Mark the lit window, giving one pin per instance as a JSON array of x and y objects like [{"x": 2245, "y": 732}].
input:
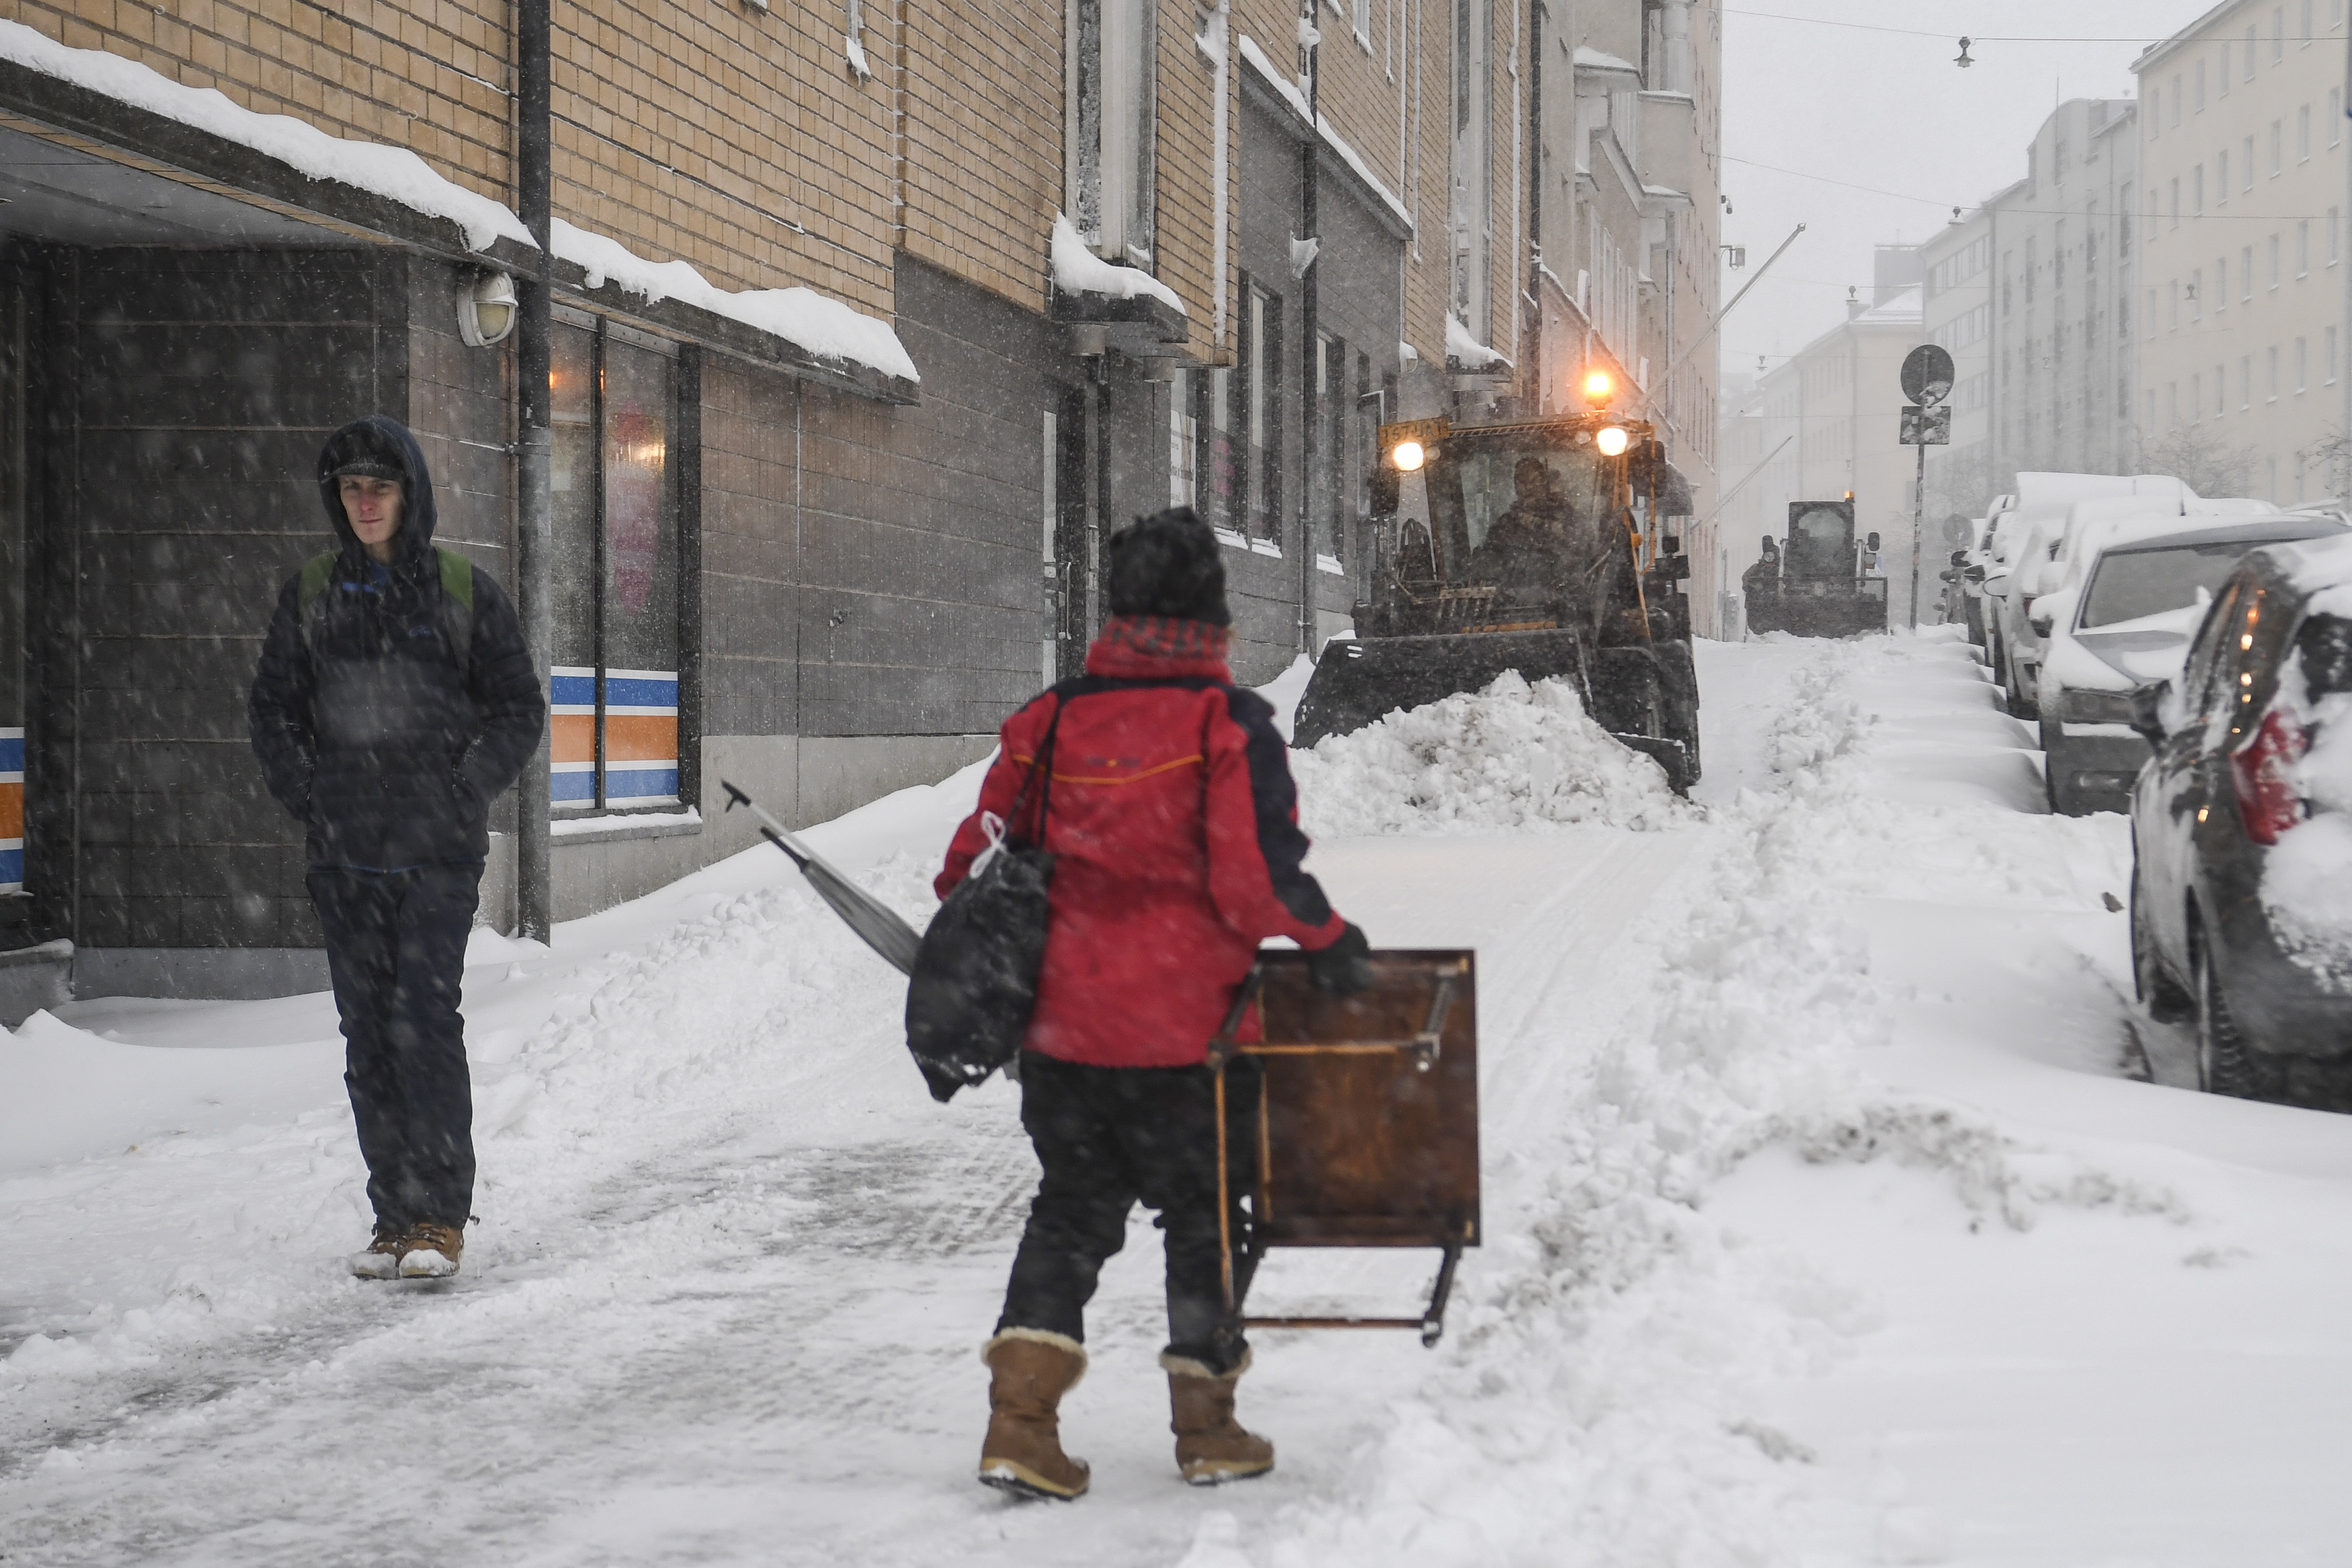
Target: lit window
[{"x": 614, "y": 724}]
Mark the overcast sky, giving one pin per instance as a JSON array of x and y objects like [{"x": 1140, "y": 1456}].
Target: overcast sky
[{"x": 1892, "y": 112}]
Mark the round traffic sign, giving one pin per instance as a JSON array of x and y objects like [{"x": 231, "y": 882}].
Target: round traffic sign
[{"x": 1928, "y": 375}]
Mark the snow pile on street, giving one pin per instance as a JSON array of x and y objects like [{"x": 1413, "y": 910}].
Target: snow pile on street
[
  {"x": 818, "y": 323},
  {"x": 1077, "y": 270},
  {"x": 1512, "y": 756},
  {"x": 392, "y": 172}
]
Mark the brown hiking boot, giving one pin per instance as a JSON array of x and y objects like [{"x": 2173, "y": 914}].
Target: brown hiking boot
[
  {"x": 432, "y": 1251},
  {"x": 382, "y": 1259},
  {"x": 1023, "y": 1452},
  {"x": 1212, "y": 1447}
]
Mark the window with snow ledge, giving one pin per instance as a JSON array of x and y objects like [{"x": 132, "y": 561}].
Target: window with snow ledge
[{"x": 1111, "y": 120}]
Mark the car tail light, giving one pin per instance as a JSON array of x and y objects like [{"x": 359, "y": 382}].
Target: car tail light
[{"x": 2262, "y": 769}]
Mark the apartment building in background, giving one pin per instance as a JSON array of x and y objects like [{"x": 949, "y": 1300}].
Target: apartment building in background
[
  {"x": 2242, "y": 295},
  {"x": 2063, "y": 242},
  {"x": 871, "y": 322}
]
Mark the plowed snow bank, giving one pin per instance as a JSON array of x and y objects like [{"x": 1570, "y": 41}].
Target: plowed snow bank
[{"x": 1512, "y": 756}]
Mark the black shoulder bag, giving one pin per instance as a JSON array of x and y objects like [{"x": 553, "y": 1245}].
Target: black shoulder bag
[{"x": 975, "y": 984}]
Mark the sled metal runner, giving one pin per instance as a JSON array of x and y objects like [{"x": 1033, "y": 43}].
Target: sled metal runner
[{"x": 1351, "y": 1121}]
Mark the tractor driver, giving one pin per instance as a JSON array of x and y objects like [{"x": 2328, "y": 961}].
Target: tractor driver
[{"x": 1529, "y": 545}]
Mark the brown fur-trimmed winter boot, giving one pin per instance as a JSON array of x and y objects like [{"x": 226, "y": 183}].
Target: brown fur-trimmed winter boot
[
  {"x": 433, "y": 1251},
  {"x": 1212, "y": 1447},
  {"x": 382, "y": 1259},
  {"x": 1022, "y": 1454}
]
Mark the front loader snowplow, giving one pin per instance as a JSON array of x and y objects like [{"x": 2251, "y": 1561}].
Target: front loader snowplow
[
  {"x": 1532, "y": 558},
  {"x": 1820, "y": 584}
]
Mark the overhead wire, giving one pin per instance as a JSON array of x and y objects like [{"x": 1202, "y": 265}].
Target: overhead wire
[{"x": 1922, "y": 33}]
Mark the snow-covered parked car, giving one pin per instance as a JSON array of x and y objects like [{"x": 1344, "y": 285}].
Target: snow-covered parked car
[
  {"x": 2024, "y": 534},
  {"x": 2145, "y": 584},
  {"x": 2241, "y": 831}
]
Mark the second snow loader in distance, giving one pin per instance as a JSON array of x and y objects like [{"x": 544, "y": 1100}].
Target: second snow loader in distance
[
  {"x": 1822, "y": 588},
  {"x": 1533, "y": 557}
]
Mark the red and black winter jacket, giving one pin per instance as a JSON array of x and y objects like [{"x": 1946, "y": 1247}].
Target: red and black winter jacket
[{"x": 1175, "y": 825}]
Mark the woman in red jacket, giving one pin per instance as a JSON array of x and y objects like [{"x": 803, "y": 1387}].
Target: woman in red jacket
[{"x": 1174, "y": 824}]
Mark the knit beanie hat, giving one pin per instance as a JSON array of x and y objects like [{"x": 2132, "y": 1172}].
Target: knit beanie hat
[{"x": 1167, "y": 565}]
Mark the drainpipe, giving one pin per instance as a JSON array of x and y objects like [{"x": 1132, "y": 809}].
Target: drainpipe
[
  {"x": 534, "y": 454},
  {"x": 1310, "y": 352},
  {"x": 1531, "y": 360}
]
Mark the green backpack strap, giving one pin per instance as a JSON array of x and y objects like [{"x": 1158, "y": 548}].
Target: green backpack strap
[
  {"x": 457, "y": 608},
  {"x": 457, "y": 577},
  {"x": 315, "y": 573}
]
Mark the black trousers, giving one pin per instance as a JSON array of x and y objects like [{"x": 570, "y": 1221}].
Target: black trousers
[
  {"x": 1108, "y": 1138},
  {"x": 396, "y": 951}
]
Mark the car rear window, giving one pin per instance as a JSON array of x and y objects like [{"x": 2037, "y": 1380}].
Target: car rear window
[
  {"x": 2128, "y": 584},
  {"x": 2325, "y": 643}
]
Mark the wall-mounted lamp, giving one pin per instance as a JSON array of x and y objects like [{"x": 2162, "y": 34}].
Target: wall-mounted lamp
[{"x": 487, "y": 309}]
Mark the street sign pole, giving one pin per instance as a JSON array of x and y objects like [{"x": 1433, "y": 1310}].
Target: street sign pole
[
  {"x": 1926, "y": 382},
  {"x": 1918, "y": 531}
]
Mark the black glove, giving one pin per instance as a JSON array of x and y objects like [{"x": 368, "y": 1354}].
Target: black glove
[{"x": 1344, "y": 967}]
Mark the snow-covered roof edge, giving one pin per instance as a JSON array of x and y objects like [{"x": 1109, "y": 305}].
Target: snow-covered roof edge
[
  {"x": 394, "y": 172},
  {"x": 1593, "y": 59},
  {"x": 818, "y": 323},
  {"x": 1256, "y": 59},
  {"x": 819, "y": 326},
  {"x": 1077, "y": 270}
]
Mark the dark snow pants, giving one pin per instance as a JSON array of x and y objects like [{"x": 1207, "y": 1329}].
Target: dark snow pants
[
  {"x": 1108, "y": 1138},
  {"x": 396, "y": 952}
]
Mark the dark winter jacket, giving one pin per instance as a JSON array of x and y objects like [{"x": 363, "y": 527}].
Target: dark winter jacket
[
  {"x": 1176, "y": 827},
  {"x": 383, "y": 738}
]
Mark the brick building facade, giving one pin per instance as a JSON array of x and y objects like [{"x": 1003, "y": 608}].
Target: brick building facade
[{"x": 827, "y": 505}]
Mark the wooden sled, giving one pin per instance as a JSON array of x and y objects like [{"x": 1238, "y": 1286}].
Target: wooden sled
[{"x": 1365, "y": 1129}]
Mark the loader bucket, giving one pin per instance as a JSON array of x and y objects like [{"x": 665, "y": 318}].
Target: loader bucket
[{"x": 1357, "y": 683}]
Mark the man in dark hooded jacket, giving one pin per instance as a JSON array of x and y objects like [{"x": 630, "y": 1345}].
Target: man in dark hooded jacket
[{"x": 396, "y": 698}]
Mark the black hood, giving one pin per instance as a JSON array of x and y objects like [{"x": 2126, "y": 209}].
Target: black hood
[{"x": 383, "y": 446}]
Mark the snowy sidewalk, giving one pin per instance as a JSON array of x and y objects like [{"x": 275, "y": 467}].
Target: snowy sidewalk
[{"x": 1827, "y": 1222}]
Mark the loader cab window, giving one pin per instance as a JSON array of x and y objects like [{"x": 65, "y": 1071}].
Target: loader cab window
[
  {"x": 1470, "y": 492},
  {"x": 1820, "y": 543}
]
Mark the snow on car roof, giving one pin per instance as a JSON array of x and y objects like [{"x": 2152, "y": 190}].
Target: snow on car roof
[
  {"x": 2166, "y": 533},
  {"x": 2321, "y": 568}
]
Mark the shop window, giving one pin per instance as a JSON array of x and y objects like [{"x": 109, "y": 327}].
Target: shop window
[
  {"x": 1109, "y": 109},
  {"x": 614, "y": 724}
]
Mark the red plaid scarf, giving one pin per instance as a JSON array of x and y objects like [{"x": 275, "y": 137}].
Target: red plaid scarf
[{"x": 1164, "y": 636}]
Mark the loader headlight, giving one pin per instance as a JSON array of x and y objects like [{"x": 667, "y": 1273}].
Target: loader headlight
[
  {"x": 1611, "y": 440},
  {"x": 1409, "y": 455}
]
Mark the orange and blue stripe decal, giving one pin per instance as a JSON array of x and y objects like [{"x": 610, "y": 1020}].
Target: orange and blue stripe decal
[
  {"x": 572, "y": 736},
  {"x": 12, "y": 810},
  {"x": 640, "y": 737}
]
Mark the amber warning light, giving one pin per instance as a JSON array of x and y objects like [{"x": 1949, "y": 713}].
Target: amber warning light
[{"x": 1598, "y": 388}]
